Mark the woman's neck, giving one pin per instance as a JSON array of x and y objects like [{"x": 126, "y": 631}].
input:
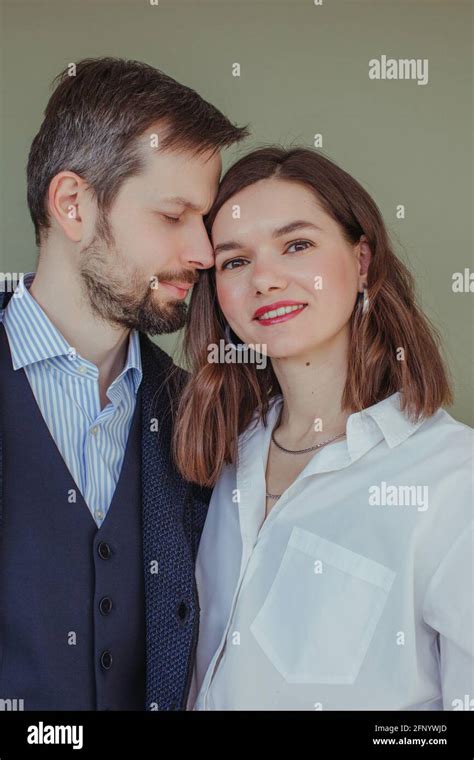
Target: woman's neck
[{"x": 312, "y": 388}]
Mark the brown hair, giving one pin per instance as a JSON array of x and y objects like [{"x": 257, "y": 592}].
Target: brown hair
[
  {"x": 219, "y": 400},
  {"x": 94, "y": 117}
]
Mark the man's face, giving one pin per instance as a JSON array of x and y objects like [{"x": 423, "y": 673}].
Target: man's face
[{"x": 149, "y": 239}]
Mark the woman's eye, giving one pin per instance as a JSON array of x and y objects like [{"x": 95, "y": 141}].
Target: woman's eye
[
  {"x": 304, "y": 243},
  {"x": 226, "y": 265},
  {"x": 170, "y": 218}
]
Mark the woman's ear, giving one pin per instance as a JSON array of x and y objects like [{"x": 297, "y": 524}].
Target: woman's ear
[{"x": 364, "y": 257}]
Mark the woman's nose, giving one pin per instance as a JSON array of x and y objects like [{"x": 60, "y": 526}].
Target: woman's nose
[{"x": 267, "y": 276}]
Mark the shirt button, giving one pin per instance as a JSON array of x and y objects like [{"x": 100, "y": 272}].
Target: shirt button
[
  {"x": 106, "y": 660},
  {"x": 105, "y": 605},
  {"x": 94, "y": 430},
  {"x": 82, "y": 369},
  {"x": 99, "y": 515}
]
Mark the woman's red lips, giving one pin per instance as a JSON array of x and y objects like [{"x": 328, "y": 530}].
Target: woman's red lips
[{"x": 276, "y": 305}]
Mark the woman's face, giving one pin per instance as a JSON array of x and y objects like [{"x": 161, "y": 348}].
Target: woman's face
[{"x": 284, "y": 250}]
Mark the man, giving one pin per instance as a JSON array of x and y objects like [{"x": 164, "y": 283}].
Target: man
[{"x": 99, "y": 534}]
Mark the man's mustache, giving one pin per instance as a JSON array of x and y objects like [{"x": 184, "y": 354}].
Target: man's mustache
[{"x": 186, "y": 276}]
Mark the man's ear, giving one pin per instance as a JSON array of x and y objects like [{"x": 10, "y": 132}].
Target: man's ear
[
  {"x": 66, "y": 196},
  {"x": 364, "y": 257}
]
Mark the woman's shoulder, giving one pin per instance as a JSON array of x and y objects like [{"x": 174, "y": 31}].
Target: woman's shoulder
[
  {"x": 442, "y": 456},
  {"x": 451, "y": 435}
]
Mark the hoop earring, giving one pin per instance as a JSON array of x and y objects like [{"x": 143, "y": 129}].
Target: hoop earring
[{"x": 237, "y": 346}]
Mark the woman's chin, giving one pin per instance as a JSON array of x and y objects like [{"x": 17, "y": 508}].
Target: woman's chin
[
  {"x": 280, "y": 346},
  {"x": 287, "y": 350}
]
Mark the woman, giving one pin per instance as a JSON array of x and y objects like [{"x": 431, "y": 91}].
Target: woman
[{"x": 334, "y": 567}]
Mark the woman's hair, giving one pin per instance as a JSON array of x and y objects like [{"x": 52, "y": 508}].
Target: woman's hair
[{"x": 220, "y": 399}]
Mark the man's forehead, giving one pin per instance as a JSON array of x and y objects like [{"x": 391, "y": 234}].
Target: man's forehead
[
  {"x": 153, "y": 143},
  {"x": 182, "y": 201},
  {"x": 183, "y": 179},
  {"x": 184, "y": 164}
]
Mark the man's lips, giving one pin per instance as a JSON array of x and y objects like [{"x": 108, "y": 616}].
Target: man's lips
[
  {"x": 292, "y": 308},
  {"x": 178, "y": 289}
]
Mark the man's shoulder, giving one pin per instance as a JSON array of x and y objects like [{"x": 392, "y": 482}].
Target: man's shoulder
[{"x": 159, "y": 363}]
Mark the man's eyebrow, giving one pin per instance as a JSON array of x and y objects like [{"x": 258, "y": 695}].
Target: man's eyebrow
[
  {"x": 182, "y": 202},
  {"x": 278, "y": 232}
]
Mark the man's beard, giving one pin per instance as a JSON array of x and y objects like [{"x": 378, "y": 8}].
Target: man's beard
[{"x": 121, "y": 295}]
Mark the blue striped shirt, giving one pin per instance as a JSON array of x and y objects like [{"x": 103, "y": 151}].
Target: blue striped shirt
[{"x": 91, "y": 440}]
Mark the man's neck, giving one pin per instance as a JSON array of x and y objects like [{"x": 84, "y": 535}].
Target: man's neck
[{"x": 57, "y": 289}]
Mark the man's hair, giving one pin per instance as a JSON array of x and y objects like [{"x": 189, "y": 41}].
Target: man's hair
[{"x": 94, "y": 118}]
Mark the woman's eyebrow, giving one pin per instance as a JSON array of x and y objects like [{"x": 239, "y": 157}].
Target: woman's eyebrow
[{"x": 231, "y": 245}]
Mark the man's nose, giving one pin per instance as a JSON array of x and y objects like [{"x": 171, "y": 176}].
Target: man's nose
[{"x": 199, "y": 251}]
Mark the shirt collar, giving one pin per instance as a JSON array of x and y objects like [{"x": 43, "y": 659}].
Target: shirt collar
[
  {"x": 33, "y": 337},
  {"x": 385, "y": 419},
  {"x": 395, "y": 424}
]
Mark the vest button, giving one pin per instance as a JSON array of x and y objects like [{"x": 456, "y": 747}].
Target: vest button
[
  {"x": 106, "y": 660},
  {"x": 105, "y": 605},
  {"x": 104, "y": 550},
  {"x": 182, "y": 611}
]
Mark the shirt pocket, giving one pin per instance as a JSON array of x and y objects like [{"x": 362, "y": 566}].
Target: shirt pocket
[{"x": 322, "y": 609}]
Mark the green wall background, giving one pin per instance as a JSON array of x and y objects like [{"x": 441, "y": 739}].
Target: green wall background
[{"x": 304, "y": 70}]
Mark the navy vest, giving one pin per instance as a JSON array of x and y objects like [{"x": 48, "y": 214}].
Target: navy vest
[
  {"x": 72, "y": 595},
  {"x": 96, "y": 619}
]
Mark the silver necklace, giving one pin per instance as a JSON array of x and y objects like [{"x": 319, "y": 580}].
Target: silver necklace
[{"x": 300, "y": 451}]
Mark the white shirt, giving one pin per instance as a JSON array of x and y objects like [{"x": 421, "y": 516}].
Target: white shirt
[{"x": 356, "y": 593}]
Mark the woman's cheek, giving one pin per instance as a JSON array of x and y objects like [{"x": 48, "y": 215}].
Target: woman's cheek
[
  {"x": 339, "y": 279},
  {"x": 228, "y": 300}
]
